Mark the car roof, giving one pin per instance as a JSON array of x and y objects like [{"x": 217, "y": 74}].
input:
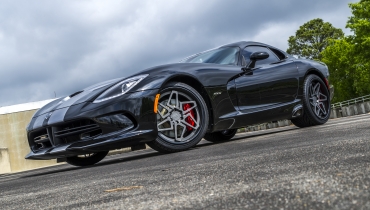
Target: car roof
[{"x": 243, "y": 44}]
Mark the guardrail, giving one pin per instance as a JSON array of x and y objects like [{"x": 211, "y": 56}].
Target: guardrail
[{"x": 351, "y": 101}]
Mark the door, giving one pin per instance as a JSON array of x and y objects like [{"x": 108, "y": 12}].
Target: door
[{"x": 273, "y": 81}]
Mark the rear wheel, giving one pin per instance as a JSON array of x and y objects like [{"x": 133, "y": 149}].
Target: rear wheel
[
  {"x": 87, "y": 159},
  {"x": 316, "y": 103},
  {"x": 182, "y": 118},
  {"x": 220, "y": 136}
]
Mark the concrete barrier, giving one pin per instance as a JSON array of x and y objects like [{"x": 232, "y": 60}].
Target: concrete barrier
[
  {"x": 4, "y": 161},
  {"x": 355, "y": 109},
  {"x": 281, "y": 123},
  {"x": 361, "y": 108},
  {"x": 350, "y": 110},
  {"x": 346, "y": 111},
  {"x": 13, "y": 136},
  {"x": 333, "y": 113},
  {"x": 367, "y": 106},
  {"x": 339, "y": 112}
]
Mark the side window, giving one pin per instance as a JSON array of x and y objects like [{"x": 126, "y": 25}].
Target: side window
[
  {"x": 278, "y": 53},
  {"x": 247, "y": 52}
]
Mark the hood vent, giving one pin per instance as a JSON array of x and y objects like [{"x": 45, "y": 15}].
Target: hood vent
[{"x": 76, "y": 93}]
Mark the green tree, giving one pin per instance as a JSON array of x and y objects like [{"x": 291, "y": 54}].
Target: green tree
[
  {"x": 337, "y": 56},
  {"x": 348, "y": 58},
  {"x": 312, "y": 38},
  {"x": 359, "y": 23}
]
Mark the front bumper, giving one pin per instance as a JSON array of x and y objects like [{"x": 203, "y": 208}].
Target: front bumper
[
  {"x": 57, "y": 135},
  {"x": 123, "y": 139}
]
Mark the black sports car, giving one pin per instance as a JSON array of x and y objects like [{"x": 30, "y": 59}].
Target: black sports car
[{"x": 172, "y": 107}]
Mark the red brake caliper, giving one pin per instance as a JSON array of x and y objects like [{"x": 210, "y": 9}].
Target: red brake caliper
[{"x": 189, "y": 120}]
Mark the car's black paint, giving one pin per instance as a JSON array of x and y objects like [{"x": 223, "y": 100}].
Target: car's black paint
[{"x": 235, "y": 98}]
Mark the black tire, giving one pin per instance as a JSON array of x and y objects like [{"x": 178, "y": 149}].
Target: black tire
[
  {"x": 220, "y": 136},
  {"x": 316, "y": 103},
  {"x": 88, "y": 159},
  {"x": 168, "y": 141}
]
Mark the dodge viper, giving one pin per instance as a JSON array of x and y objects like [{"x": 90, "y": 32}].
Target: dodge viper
[{"x": 172, "y": 107}]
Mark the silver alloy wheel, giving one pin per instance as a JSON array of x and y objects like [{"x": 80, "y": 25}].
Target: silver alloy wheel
[
  {"x": 175, "y": 110},
  {"x": 318, "y": 100}
]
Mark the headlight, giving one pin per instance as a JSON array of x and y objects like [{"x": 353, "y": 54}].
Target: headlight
[{"x": 120, "y": 88}]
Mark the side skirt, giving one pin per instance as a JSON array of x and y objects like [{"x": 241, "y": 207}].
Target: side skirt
[{"x": 262, "y": 114}]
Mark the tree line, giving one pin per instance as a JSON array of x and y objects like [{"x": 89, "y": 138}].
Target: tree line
[{"x": 347, "y": 57}]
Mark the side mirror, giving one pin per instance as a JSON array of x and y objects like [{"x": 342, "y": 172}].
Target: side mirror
[
  {"x": 255, "y": 57},
  {"x": 259, "y": 56}
]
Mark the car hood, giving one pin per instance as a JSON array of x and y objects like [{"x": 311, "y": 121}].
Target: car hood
[
  {"x": 86, "y": 95},
  {"x": 221, "y": 74}
]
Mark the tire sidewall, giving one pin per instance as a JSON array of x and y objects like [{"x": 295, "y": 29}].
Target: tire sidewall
[
  {"x": 218, "y": 137},
  {"x": 77, "y": 161},
  {"x": 306, "y": 100},
  {"x": 202, "y": 107},
  {"x": 223, "y": 137}
]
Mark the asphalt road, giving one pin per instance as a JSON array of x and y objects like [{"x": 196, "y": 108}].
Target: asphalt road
[{"x": 322, "y": 167}]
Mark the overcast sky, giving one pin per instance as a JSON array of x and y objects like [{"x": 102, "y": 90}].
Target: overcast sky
[{"x": 65, "y": 46}]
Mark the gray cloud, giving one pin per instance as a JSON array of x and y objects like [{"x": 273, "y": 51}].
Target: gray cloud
[{"x": 64, "y": 46}]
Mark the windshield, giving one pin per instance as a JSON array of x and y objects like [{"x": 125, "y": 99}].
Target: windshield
[{"x": 225, "y": 55}]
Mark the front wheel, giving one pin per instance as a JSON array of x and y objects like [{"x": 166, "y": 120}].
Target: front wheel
[
  {"x": 316, "y": 103},
  {"x": 220, "y": 136},
  {"x": 182, "y": 118},
  {"x": 87, "y": 159}
]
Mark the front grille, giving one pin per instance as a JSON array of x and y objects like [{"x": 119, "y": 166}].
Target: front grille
[
  {"x": 71, "y": 131},
  {"x": 75, "y": 131},
  {"x": 64, "y": 133}
]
